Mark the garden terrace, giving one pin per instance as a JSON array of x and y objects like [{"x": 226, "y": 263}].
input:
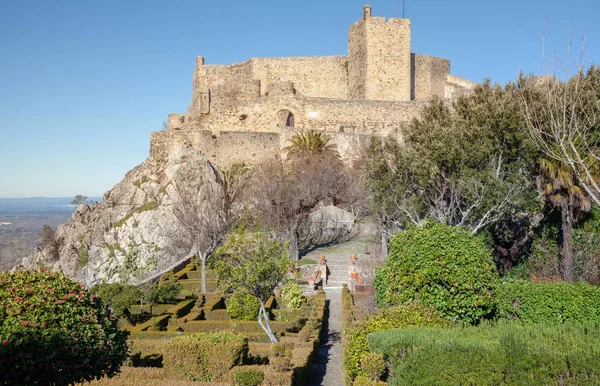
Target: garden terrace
[{"x": 285, "y": 363}]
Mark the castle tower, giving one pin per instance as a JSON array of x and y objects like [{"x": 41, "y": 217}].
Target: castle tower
[{"x": 379, "y": 61}]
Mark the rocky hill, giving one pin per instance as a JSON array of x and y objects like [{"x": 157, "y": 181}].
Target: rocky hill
[{"x": 131, "y": 234}]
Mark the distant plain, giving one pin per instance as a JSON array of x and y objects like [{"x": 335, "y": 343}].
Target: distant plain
[{"x": 27, "y": 217}]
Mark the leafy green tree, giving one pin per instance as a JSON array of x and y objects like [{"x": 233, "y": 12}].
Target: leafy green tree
[
  {"x": 54, "y": 332},
  {"x": 253, "y": 264},
  {"x": 469, "y": 164}
]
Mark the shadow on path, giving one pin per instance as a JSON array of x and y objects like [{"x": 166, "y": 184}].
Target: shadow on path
[{"x": 327, "y": 369}]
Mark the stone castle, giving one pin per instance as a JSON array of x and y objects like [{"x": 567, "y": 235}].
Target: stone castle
[{"x": 245, "y": 112}]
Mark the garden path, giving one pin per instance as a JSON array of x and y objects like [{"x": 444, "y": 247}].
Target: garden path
[{"x": 327, "y": 369}]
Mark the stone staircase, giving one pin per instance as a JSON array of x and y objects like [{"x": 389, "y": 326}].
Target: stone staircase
[{"x": 337, "y": 266}]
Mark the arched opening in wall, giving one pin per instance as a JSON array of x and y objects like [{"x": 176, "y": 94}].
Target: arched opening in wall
[{"x": 284, "y": 118}]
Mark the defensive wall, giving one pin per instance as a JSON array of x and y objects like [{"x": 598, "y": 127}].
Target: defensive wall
[{"x": 245, "y": 112}]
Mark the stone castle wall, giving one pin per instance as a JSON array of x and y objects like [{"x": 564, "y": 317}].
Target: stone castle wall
[
  {"x": 225, "y": 148},
  {"x": 245, "y": 111},
  {"x": 262, "y": 115},
  {"x": 388, "y": 59},
  {"x": 429, "y": 76},
  {"x": 315, "y": 76},
  {"x": 221, "y": 148}
]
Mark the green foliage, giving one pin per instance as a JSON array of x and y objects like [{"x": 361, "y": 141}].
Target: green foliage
[
  {"x": 505, "y": 354},
  {"x": 150, "y": 205},
  {"x": 441, "y": 266},
  {"x": 306, "y": 261},
  {"x": 164, "y": 293},
  {"x": 249, "y": 377},
  {"x": 311, "y": 142},
  {"x": 251, "y": 263},
  {"x": 205, "y": 357},
  {"x": 291, "y": 293},
  {"x": 548, "y": 303},
  {"x": 243, "y": 306},
  {"x": 120, "y": 296},
  {"x": 466, "y": 165},
  {"x": 543, "y": 261},
  {"x": 373, "y": 365},
  {"x": 397, "y": 317},
  {"x": 53, "y": 331}
]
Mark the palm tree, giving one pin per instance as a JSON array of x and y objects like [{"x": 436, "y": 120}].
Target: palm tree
[
  {"x": 559, "y": 188},
  {"x": 311, "y": 142}
]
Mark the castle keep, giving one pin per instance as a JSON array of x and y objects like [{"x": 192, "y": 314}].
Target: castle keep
[{"x": 245, "y": 112}]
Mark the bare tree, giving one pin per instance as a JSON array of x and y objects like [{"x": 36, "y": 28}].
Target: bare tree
[
  {"x": 284, "y": 194},
  {"x": 202, "y": 208},
  {"x": 49, "y": 241},
  {"x": 563, "y": 118}
]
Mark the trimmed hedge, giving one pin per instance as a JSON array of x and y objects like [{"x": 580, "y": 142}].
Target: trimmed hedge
[
  {"x": 551, "y": 303},
  {"x": 226, "y": 325},
  {"x": 505, "y": 354},
  {"x": 252, "y": 377},
  {"x": 182, "y": 308},
  {"x": 442, "y": 266},
  {"x": 205, "y": 357},
  {"x": 355, "y": 338},
  {"x": 216, "y": 315}
]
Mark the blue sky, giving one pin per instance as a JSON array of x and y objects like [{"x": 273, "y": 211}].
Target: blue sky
[{"x": 83, "y": 83}]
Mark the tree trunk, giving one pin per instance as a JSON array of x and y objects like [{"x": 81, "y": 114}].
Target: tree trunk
[
  {"x": 384, "y": 246},
  {"x": 203, "y": 257},
  {"x": 567, "y": 242},
  {"x": 294, "y": 243},
  {"x": 266, "y": 325}
]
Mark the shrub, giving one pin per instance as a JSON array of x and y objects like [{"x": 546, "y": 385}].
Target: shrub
[
  {"x": 442, "y": 266},
  {"x": 53, "y": 331},
  {"x": 291, "y": 293},
  {"x": 549, "y": 303},
  {"x": 364, "y": 381},
  {"x": 243, "y": 306},
  {"x": 373, "y": 365},
  {"x": 119, "y": 296},
  {"x": 398, "y": 317},
  {"x": 249, "y": 377},
  {"x": 504, "y": 354},
  {"x": 205, "y": 357},
  {"x": 165, "y": 293}
]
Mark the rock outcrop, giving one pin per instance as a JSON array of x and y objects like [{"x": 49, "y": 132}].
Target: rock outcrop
[{"x": 130, "y": 235}]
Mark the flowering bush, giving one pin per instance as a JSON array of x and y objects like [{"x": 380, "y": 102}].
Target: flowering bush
[{"x": 53, "y": 331}]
